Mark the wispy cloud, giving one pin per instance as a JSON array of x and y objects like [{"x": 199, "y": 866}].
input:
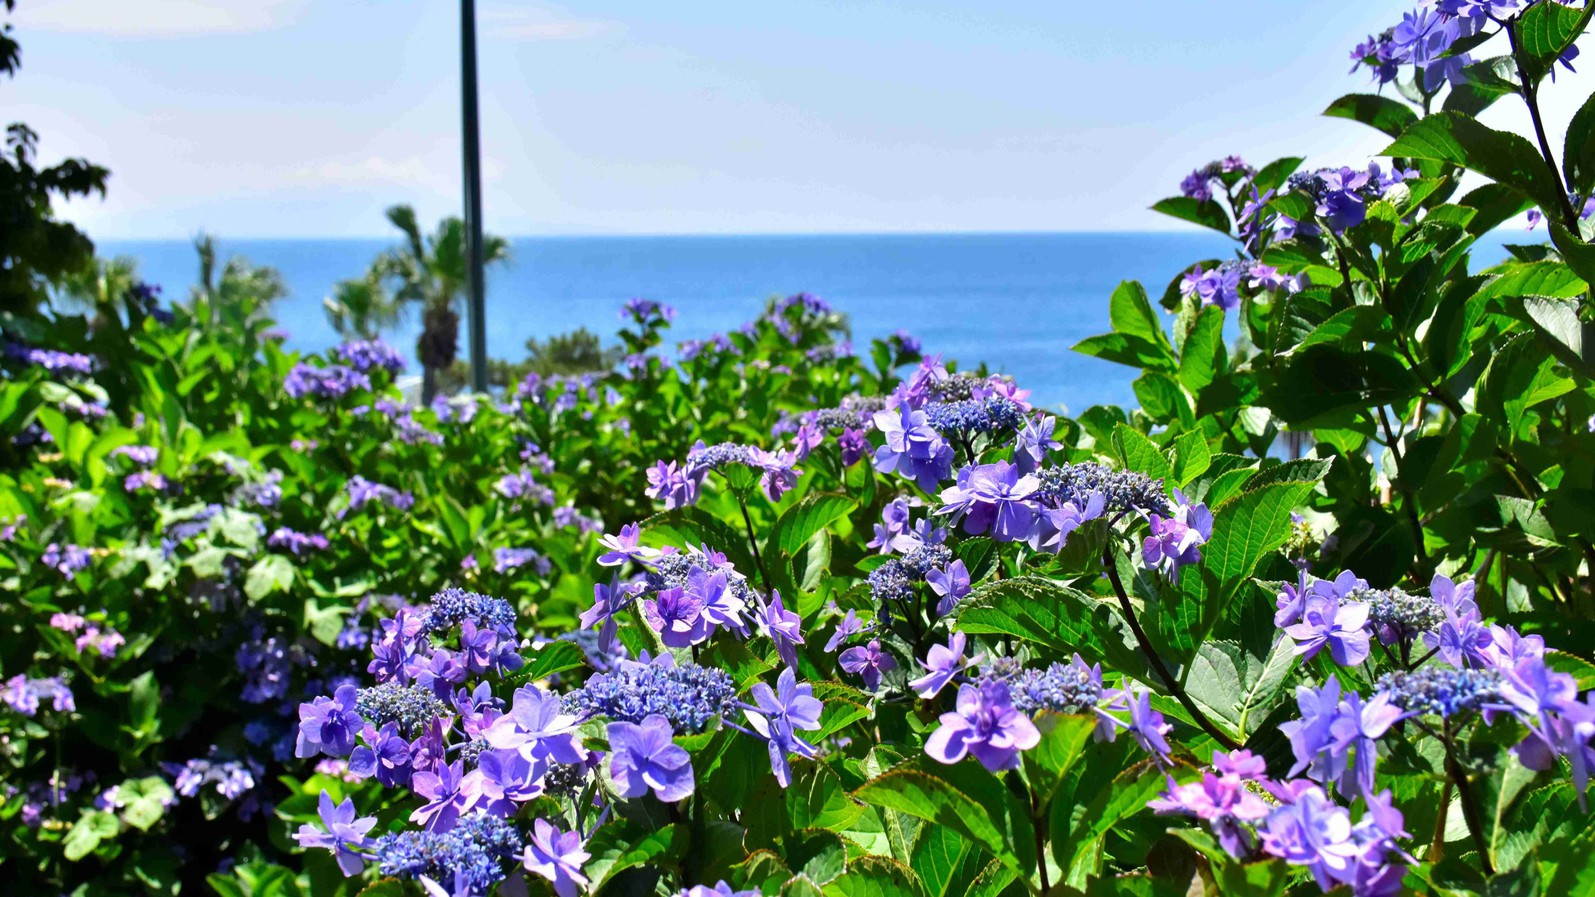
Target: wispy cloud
[
  {"x": 538, "y": 24},
  {"x": 158, "y": 18}
]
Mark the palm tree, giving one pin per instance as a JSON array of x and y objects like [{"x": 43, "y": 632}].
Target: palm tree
[
  {"x": 431, "y": 273},
  {"x": 362, "y": 308},
  {"x": 242, "y": 293},
  {"x": 97, "y": 287}
]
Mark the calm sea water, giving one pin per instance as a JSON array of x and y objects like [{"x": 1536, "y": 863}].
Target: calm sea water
[{"x": 1016, "y": 301}]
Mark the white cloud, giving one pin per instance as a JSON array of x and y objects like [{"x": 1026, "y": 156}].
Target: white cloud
[
  {"x": 157, "y": 18},
  {"x": 415, "y": 171},
  {"x": 537, "y": 24}
]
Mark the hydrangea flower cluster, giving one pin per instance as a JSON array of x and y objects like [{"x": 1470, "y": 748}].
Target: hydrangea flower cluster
[
  {"x": 333, "y": 381},
  {"x": 369, "y": 355},
  {"x": 363, "y": 492}
]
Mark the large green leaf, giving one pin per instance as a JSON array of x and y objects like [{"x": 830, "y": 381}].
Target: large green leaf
[
  {"x": 1137, "y": 452},
  {"x": 963, "y": 797},
  {"x": 1205, "y": 212},
  {"x": 1389, "y": 116},
  {"x": 1056, "y": 617},
  {"x": 1501, "y": 156},
  {"x": 803, "y": 520},
  {"x": 624, "y": 844},
  {"x": 1578, "y": 153},
  {"x": 1137, "y": 339}
]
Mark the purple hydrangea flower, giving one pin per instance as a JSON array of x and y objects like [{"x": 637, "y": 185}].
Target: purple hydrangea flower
[
  {"x": 328, "y": 725},
  {"x": 557, "y": 856},
  {"x": 868, "y": 661},
  {"x": 624, "y": 547},
  {"x": 849, "y": 626},
  {"x": 913, "y": 449},
  {"x": 783, "y": 627},
  {"x": 1342, "y": 627},
  {"x": 537, "y": 726},
  {"x": 995, "y": 498},
  {"x": 951, "y": 586},
  {"x": 644, "y": 757},
  {"x": 778, "y": 715},
  {"x": 1177, "y": 540},
  {"x": 942, "y": 663},
  {"x": 343, "y": 834},
  {"x": 677, "y": 615},
  {"x": 1311, "y": 831},
  {"x": 986, "y": 725}
]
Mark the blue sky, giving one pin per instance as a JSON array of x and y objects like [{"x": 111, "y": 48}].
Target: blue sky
[{"x": 259, "y": 118}]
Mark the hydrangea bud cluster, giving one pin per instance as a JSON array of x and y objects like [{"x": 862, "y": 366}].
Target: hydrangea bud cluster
[
  {"x": 1443, "y": 692},
  {"x": 691, "y": 697}
]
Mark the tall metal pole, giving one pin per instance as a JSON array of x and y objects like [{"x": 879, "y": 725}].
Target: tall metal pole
[{"x": 474, "y": 287}]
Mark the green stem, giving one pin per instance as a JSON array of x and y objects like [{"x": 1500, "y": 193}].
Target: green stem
[
  {"x": 1470, "y": 807},
  {"x": 1169, "y": 681},
  {"x": 1530, "y": 92}
]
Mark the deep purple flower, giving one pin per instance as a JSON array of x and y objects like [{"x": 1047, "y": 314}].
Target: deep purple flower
[
  {"x": 849, "y": 626},
  {"x": 538, "y": 727},
  {"x": 667, "y": 482},
  {"x": 344, "y": 835},
  {"x": 942, "y": 663},
  {"x": 913, "y": 449},
  {"x": 1218, "y": 286},
  {"x": 1034, "y": 442},
  {"x": 986, "y": 725},
  {"x": 778, "y": 715},
  {"x": 502, "y": 781},
  {"x": 854, "y": 445},
  {"x": 1358, "y": 724},
  {"x": 296, "y": 543},
  {"x": 385, "y": 755},
  {"x": 868, "y": 661},
  {"x": 1463, "y": 639},
  {"x": 1177, "y": 540},
  {"x": 328, "y": 725},
  {"x": 677, "y": 615},
  {"x": 1326, "y": 621},
  {"x": 1054, "y": 525},
  {"x": 1312, "y": 832},
  {"x": 993, "y": 497},
  {"x": 1145, "y": 725},
  {"x": 445, "y": 800},
  {"x": 783, "y": 627},
  {"x": 644, "y": 757},
  {"x": 1312, "y": 737},
  {"x": 624, "y": 547},
  {"x": 1222, "y": 801},
  {"x": 557, "y": 856},
  {"x": 895, "y": 520},
  {"x": 951, "y": 586}
]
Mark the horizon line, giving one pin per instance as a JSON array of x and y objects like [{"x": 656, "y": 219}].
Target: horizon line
[{"x": 681, "y": 235}]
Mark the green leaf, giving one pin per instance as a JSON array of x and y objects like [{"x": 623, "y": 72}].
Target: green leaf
[
  {"x": 554, "y": 657},
  {"x": 873, "y": 876},
  {"x": 624, "y": 844},
  {"x": 1501, "y": 156},
  {"x": 1578, "y": 153},
  {"x": 1549, "y": 278},
  {"x": 1063, "y": 739},
  {"x": 1192, "y": 457},
  {"x": 1520, "y": 375},
  {"x": 1546, "y": 30},
  {"x": 1389, "y": 116},
  {"x": 1206, "y": 212},
  {"x": 818, "y": 800},
  {"x": 1059, "y": 618},
  {"x": 1202, "y": 355},
  {"x": 1246, "y": 527},
  {"x": 1579, "y": 255},
  {"x": 1236, "y": 687},
  {"x": 1137, "y": 339},
  {"x": 86, "y": 834},
  {"x": 963, "y": 797},
  {"x": 1139, "y": 453},
  {"x": 144, "y": 801},
  {"x": 271, "y": 574},
  {"x": 804, "y": 520},
  {"x": 1564, "y": 333}
]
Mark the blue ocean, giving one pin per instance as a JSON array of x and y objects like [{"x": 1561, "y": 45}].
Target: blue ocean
[{"x": 1015, "y": 301}]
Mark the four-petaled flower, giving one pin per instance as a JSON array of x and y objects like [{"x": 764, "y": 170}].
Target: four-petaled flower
[{"x": 644, "y": 757}]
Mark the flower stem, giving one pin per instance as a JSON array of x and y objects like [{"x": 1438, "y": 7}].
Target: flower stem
[
  {"x": 1531, "y": 98},
  {"x": 1470, "y": 807},
  {"x": 747, "y": 523},
  {"x": 1169, "y": 681}
]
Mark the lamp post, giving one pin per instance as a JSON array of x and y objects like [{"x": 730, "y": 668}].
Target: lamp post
[{"x": 476, "y": 309}]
